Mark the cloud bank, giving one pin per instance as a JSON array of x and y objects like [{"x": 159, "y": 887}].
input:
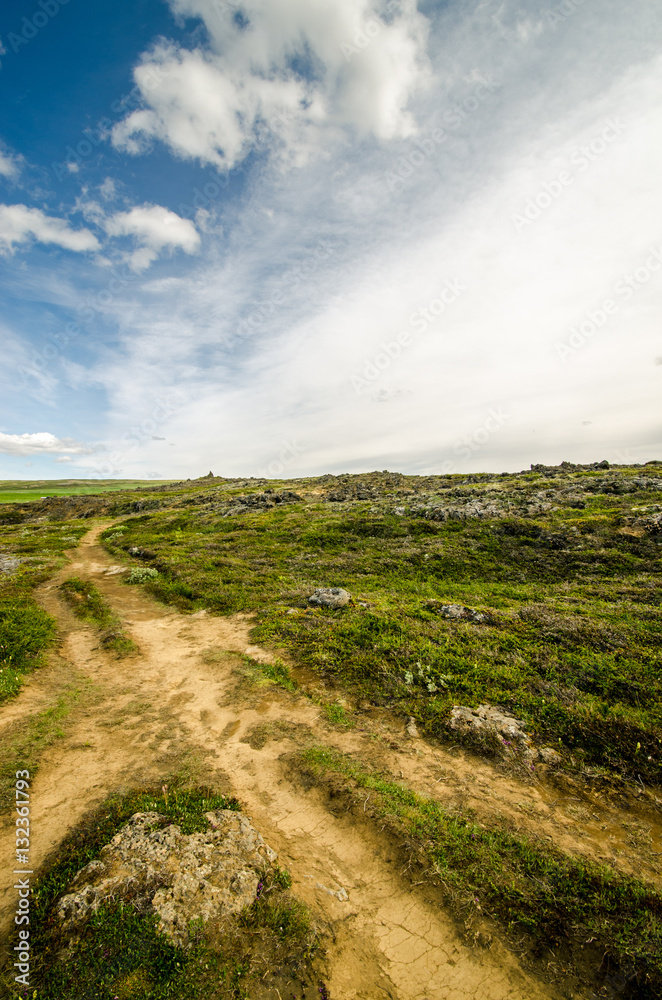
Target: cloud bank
[{"x": 42, "y": 443}]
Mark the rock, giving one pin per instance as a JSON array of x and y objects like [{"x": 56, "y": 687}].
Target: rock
[
  {"x": 411, "y": 728},
  {"x": 549, "y": 756},
  {"x": 330, "y": 597},
  {"x": 458, "y": 612},
  {"x": 340, "y": 894},
  {"x": 486, "y": 717},
  {"x": 261, "y": 501},
  {"x": 114, "y": 570},
  {"x": 9, "y": 563},
  {"x": 180, "y": 877}
]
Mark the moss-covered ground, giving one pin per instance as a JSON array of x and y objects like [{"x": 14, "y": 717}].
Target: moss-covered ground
[
  {"x": 565, "y": 567},
  {"x": 29, "y": 554}
]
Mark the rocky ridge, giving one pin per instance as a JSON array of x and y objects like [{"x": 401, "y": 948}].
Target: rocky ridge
[{"x": 180, "y": 877}]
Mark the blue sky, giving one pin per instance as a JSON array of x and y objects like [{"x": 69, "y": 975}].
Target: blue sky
[{"x": 285, "y": 238}]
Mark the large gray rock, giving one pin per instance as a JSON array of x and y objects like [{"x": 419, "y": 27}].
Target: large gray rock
[
  {"x": 458, "y": 612},
  {"x": 9, "y": 563},
  {"x": 486, "y": 717},
  {"x": 509, "y": 729},
  {"x": 180, "y": 877},
  {"x": 330, "y": 597}
]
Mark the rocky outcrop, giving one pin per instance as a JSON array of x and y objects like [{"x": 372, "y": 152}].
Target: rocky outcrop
[
  {"x": 261, "y": 501},
  {"x": 486, "y": 719},
  {"x": 9, "y": 563},
  {"x": 458, "y": 612},
  {"x": 330, "y": 597},
  {"x": 180, "y": 877}
]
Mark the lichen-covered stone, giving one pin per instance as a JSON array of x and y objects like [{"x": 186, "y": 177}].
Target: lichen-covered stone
[
  {"x": 181, "y": 877},
  {"x": 484, "y": 717},
  {"x": 458, "y": 612},
  {"x": 330, "y": 597},
  {"x": 507, "y": 727}
]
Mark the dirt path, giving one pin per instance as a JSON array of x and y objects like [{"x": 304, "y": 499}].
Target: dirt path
[{"x": 182, "y": 702}]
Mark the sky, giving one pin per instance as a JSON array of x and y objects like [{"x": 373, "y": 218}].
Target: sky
[{"x": 289, "y": 237}]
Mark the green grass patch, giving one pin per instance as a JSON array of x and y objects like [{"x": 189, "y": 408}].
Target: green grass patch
[
  {"x": 12, "y": 491},
  {"x": 28, "y": 556},
  {"x": 88, "y": 603},
  {"x": 26, "y": 631},
  {"x": 337, "y": 715},
  {"x": 276, "y": 672},
  {"x": 122, "y": 954},
  {"x": 557, "y": 901}
]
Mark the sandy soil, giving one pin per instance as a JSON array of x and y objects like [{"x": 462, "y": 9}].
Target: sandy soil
[{"x": 176, "y": 703}]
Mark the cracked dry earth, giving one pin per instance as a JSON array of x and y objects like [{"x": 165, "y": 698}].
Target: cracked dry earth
[{"x": 184, "y": 698}]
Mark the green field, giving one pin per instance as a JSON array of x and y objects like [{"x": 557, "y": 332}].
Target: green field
[{"x": 20, "y": 491}]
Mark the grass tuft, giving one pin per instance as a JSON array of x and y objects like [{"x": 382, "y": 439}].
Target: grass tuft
[{"x": 87, "y": 603}]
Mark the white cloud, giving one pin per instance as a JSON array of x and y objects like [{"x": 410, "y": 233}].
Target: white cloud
[
  {"x": 108, "y": 189},
  {"x": 295, "y": 74},
  {"x": 42, "y": 443},
  {"x": 8, "y": 166},
  {"x": 18, "y": 224},
  {"x": 155, "y": 229}
]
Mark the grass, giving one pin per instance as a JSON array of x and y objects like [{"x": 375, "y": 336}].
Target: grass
[
  {"x": 23, "y": 742},
  {"x": 121, "y": 954},
  {"x": 29, "y": 556},
  {"x": 276, "y": 672},
  {"x": 556, "y": 901},
  {"x": 87, "y": 603},
  {"x": 337, "y": 715},
  {"x": 572, "y": 642},
  {"x": 17, "y": 491}
]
